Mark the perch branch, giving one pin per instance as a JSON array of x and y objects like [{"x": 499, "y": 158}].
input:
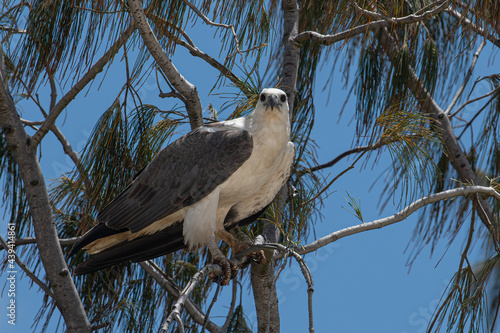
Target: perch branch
[{"x": 400, "y": 216}]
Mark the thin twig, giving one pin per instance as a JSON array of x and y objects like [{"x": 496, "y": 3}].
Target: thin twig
[
  {"x": 333, "y": 180},
  {"x": 173, "y": 289},
  {"x": 220, "y": 25},
  {"x": 86, "y": 78},
  {"x": 231, "y": 306},
  {"x": 32, "y": 240},
  {"x": 490, "y": 227},
  {"x": 467, "y": 78},
  {"x": 468, "y": 23},
  {"x": 306, "y": 272},
  {"x": 214, "y": 299},
  {"x": 355, "y": 150},
  {"x": 497, "y": 89},
  {"x": 28, "y": 272},
  {"x": 210, "y": 60}
]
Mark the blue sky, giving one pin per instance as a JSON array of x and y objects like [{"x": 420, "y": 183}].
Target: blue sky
[{"x": 362, "y": 282}]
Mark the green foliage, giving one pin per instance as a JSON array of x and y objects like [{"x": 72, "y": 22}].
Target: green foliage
[
  {"x": 464, "y": 307},
  {"x": 356, "y": 208},
  {"x": 72, "y": 29},
  {"x": 238, "y": 323},
  {"x": 13, "y": 197}
]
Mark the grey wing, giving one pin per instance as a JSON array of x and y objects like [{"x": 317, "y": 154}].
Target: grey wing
[{"x": 180, "y": 175}]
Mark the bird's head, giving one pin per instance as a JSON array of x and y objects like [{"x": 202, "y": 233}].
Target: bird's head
[{"x": 272, "y": 99}]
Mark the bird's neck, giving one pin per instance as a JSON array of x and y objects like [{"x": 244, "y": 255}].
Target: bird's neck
[{"x": 268, "y": 121}]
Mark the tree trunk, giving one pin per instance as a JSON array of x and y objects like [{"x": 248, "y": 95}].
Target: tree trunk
[{"x": 262, "y": 276}]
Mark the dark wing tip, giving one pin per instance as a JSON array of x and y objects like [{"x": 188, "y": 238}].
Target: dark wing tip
[
  {"x": 97, "y": 232},
  {"x": 147, "y": 247}
]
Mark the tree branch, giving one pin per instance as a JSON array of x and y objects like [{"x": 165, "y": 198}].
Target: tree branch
[
  {"x": 400, "y": 216},
  {"x": 32, "y": 240},
  {"x": 24, "y": 151},
  {"x": 441, "y": 121},
  {"x": 355, "y": 150},
  {"x": 191, "y": 47},
  {"x": 362, "y": 29},
  {"x": 194, "y": 311},
  {"x": 188, "y": 289},
  {"x": 188, "y": 90},
  {"x": 466, "y": 79},
  {"x": 26, "y": 270},
  {"x": 465, "y": 21},
  {"x": 231, "y": 306},
  {"x": 209, "y": 22},
  {"x": 89, "y": 76},
  {"x": 496, "y": 90}
]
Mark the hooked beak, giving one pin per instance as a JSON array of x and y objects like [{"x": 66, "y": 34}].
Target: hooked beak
[{"x": 272, "y": 102}]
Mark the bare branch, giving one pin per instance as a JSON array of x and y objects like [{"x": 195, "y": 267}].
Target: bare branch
[
  {"x": 209, "y": 22},
  {"x": 466, "y": 22},
  {"x": 400, "y": 216},
  {"x": 231, "y": 306},
  {"x": 68, "y": 150},
  {"x": 441, "y": 121},
  {"x": 194, "y": 311},
  {"x": 31, "y": 123},
  {"x": 65, "y": 294},
  {"x": 496, "y": 90},
  {"x": 386, "y": 22},
  {"x": 466, "y": 79},
  {"x": 188, "y": 90},
  {"x": 355, "y": 150},
  {"x": 188, "y": 289},
  {"x": 209, "y": 59},
  {"x": 32, "y": 240},
  {"x": 89, "y": 76},
  {"x": 26, "y": 270}
]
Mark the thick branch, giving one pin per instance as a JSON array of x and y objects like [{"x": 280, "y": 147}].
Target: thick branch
[
  {"x": 73, "y": 92},
  {"x": 400, "y": 216},
  {"x": 24, "y": 151},
  {"x": 188, "y": 90}
]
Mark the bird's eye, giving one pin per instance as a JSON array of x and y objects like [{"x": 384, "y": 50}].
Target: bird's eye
[
  {"x": 283, "y": 98},
  {"x": 262, "y": 97}
]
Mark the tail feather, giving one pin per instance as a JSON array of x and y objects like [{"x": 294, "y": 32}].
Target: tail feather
[{"x": 147, "y": 247}]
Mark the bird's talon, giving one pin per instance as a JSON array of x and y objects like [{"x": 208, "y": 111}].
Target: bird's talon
[{"x": 230, "y": 271}]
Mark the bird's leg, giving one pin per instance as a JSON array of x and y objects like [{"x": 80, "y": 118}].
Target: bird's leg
[
  {"x": 238, "y": 246},
  {"x": 229, "y": 268}
]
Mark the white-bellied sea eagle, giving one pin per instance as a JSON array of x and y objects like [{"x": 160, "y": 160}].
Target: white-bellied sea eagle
[{"x": 213, "y": 178}]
